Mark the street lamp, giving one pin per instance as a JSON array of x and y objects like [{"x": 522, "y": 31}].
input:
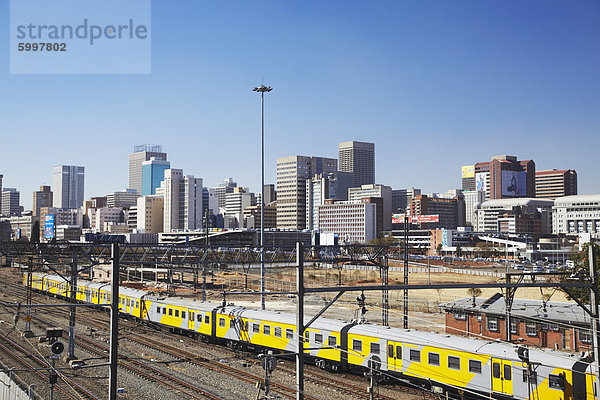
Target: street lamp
[{"x": 262, "y": 89}]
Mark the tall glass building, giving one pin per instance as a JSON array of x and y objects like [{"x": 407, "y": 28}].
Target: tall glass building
[{"x": 153, "y": 173}]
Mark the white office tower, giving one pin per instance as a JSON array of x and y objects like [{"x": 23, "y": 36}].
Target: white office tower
[
  {"x": 355, "y": 195},
  {"x": 141, "y": 153},
  {"x": 472, "y": 199},
  {"x": 292, "y": 174},
  {"x": 221, "y": 192},
  {"x": 182, "y": 201},
  {"x": 358, "y": 158},
  {"x": 68, "y": 186}
]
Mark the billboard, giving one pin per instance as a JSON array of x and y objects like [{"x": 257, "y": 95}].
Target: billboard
[
  {"x": 514, "y": 183},
  {"x": 49, "y": 227},
  {"x": 468, "y": 171},
  {"x": 397, "y": 218},
  {"x": 421, "y": 219},
  {"x": 481, "y": 182}
]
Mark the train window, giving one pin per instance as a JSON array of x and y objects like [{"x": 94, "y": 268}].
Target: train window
[
  {"x": 454, "y": 362},
  {"x": 137, "y": 304},
  {"x": 277, "y": 331},
  {"x": 318, "y": 338},
  {"x": 289, "y": 333},
  {"x": 207, "y": 319},
  {"x": 399, "y": 352},
  {"x": 222, "y": 322},
  {"x": 267, "y": 330},
  {"x": 375, "y": 348},
  {"x": 177, "y": 313},
  {"x": 332, "y": 341},
  {"x": 356, "y": 345},
  {"x": 158, "y": 310},
  {"x": 434, "y": 359},
  {"x": 475, "y": 366},
  {"x": 199, "y": 317},
  {"x": 170, "y": 312},
  {"x": 531, "y": 328},
  {"x": 390, "y": 350},
  {"x": 556, "y": 381},
  {"x": 165, "y": 310},
  {"x": 507, "y": 372},
  {"x": 496, "y": 370},
  {"x": 415, "y": 355},
  {"x": 191, "y": 316},
  {"x": 246, "y": 326},
  {"x": 183, "y": 314},
  {"x": 232, "y": 323},
  {"x": 256, "y": 328}
]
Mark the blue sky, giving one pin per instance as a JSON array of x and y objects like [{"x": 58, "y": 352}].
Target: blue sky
[{"x": 434, "y": 84}]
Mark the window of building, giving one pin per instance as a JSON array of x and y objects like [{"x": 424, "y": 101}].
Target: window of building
[
  {"x": 289, "y": 333},
  {"x": 277, "y": 331},
  {"x": 318, "y": 338},
  {"x": 531, "y": 328},
  {"x": 267, "y": 330},
  {"x": 492, "y": 324},
  {"x": 375, "y": 348},
  {"x": 415, "y": 355},
  {"x": 459, "y": 315},
  {"x": 585, "y": 336},
  {"x": 453, "y": 362},
  {"x": 356, "y": 345},
  {"x": 475, "y": 366},
  {"x": 433, "y": 359},
  {"x": 222, "y": 322},
  {"x": 514, "y": 325}
]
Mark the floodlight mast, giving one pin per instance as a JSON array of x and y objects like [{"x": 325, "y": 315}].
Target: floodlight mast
[{"x": 262, "y": 89}]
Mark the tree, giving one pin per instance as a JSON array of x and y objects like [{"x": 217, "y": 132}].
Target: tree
[
  {"x": 458, "y": 250},
  {"x": 582, "y": 273},
  {"x": 439, "y": 249},
  {"x": 35, "y": 232}
]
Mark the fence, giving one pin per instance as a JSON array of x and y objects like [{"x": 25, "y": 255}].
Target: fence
[{"x": 9, "y": 389}]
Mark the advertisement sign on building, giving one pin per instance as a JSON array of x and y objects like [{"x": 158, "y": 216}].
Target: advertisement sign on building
[
  {"x": 421, "y": 219},
  {"x": 468, "y": 171},
  {"x": 49, "y": 227},
  {"x": 481, "y": 182},
  {"x": 397, "y": 218},
  {"x": 514, "y": 183}
]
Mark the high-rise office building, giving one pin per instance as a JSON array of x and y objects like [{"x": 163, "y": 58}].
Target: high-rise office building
[
  {"x": 68, "y": 186},
  {"x": 1, "y": 176},
  {"x": 270, "y": 193},
  {"x": 153, "y": 172},
  {"x": 221, "y": 191},
  {"x": 124, "y": 199},
  {"x": 292, "y": 174},
  {"x": 401, "y": 199},
  {"x": 332, "y": 185},
  {"x": 41, "y": 198},
  {"x": 141, "y": 153},
  {"x": 358, "y": 158},
  {"x": 182, "y": 201},
  {"x": 150, "y": 214},
  {"x": 554, "y": 183},
  {"x": 505, "y": 177},
  {"x": 10, "y": 202},
  {"x": 355, "y": 195}
]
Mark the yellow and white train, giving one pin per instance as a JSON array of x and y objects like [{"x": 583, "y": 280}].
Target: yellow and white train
[{"x": 462, "y": 367}]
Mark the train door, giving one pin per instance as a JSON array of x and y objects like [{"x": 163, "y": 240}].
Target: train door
[
  {"x": 502, "y": 379},
  {"x": 394, "y": 356},
  {"x": 191, "y": 319}
]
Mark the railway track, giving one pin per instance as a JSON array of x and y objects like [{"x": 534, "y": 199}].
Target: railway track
[{"x": 29, "y": 361}]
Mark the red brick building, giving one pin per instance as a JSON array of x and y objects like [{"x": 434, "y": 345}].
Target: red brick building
[{"x": 561, "y": 326}]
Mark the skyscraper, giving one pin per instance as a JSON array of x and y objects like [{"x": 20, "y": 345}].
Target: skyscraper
[
  {"x": 141, "y": 153},
  {"x": 153, "y": 172},
  {"x": 505, "y": 177},
  {"x": 182, "y": 201},
  {"x": 41, "y": 198},
  {"x": 10, "y": 202},
  {"x": 358, "y": 158},
  {"x": 554, "y": 183},
  {"x": 292, "y": 174},
  {"x": 68, "y": 186}
]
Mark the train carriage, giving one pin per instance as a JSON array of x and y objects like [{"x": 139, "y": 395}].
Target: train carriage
[{"x": 439, "y": 362}]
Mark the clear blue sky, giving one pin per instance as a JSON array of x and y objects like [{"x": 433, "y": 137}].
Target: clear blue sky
[{"x": 434, "y": 84}]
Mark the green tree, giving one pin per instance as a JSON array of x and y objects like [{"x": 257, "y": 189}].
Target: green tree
[
  {"x": 581, "y": 273},
  {"x": 458, "y": 250},
  {"x": 439, "y": 249}
]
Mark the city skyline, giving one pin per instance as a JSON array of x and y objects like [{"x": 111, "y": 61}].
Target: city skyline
[{"x": 430, "y": 86}]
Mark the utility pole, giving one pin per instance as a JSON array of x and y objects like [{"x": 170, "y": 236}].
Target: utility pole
[
  {"x": 114, "y": 323},
  {"x": 28, "y": 333},
  {"x": 405, "y": 304},
  {"x": 300, "y": 321},
  {"x": 72, "y": 309},
  {"x": 594, "y": 309}
]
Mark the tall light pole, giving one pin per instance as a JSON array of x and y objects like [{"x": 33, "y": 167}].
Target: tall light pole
[{"x": 262, "y": 89}]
